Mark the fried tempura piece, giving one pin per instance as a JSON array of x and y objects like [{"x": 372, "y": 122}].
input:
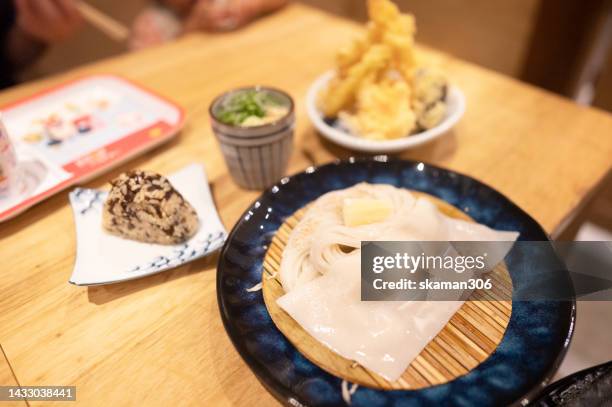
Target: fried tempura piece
[
  {"x": 387, "y": 45},
  {"x": 376, "y": 92},
  {"x": 428, "y": 97},
  {"x": 382, "y": 11},
  {"x": 398, "y": 32},
  {"x": 428, "y": 86},
  {"x": 341, "y": 91},
  {"x": 352, "y": 53},
  {"x": 404, "y": 59},
  {"x": 382, "y": 110},
  {"x": 429, "y": 116}
]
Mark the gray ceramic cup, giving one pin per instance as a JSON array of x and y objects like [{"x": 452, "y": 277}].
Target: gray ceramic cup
[{"x": 256, "y": 156}]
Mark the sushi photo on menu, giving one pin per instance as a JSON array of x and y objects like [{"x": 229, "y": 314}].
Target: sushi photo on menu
[{"x": 306, "y": 203}]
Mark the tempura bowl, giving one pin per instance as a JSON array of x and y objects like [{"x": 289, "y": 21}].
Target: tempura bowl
[{"x": 455, "y": 108}]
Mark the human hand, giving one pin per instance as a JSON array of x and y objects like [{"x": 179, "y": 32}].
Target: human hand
[
  {"x": 154, "y": 26},
  {"x": 48, "y": 21},
  {"x": 225, "y": 15},
  {"x": 215, "y": 15}
]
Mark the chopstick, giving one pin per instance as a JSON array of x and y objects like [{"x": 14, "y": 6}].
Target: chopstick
[{"x": 108, "y": 25}]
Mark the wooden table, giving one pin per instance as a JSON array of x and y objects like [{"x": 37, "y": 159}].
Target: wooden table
[
  {"x": 159, "y": 340},
  {"x": 7, "y": 379}
]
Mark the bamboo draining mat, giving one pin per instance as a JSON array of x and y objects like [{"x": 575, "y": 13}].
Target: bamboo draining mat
[{"x": 467, "y": 340}]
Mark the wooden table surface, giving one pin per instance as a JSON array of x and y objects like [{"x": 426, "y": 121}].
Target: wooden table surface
[
  {"x": 7, "y": 379},
  {"x": 159, "y": 340}
]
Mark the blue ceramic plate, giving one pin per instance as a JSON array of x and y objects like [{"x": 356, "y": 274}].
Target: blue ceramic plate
[
  {"x": 532, "y": 348},
  {"x": 588, "y": 387}
]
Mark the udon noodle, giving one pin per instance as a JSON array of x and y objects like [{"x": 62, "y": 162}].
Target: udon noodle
[{"x": 320, "y": 274}]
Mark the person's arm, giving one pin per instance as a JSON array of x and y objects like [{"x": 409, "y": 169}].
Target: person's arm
[
  {"x": 38, "y": 24},
  {"x": 7, "y": 21},
  {"x": 256, "y": 8},
  {"x": 21, "y": 50},
  {"x": 180, "y": 7}
]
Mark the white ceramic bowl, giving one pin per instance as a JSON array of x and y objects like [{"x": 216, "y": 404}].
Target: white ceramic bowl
[{"x": 456, "y": 107}]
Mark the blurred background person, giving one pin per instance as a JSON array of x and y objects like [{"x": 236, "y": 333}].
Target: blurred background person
[{"x": 27, "y": 27}]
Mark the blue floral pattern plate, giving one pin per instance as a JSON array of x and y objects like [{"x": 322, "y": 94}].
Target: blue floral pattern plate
[
  {"x": 534, "y": 344},
  {"x": 103, "y": 258}
]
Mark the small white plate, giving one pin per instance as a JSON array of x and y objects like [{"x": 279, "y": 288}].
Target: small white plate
[
  {"x": 456, "y": 107},
  {"x": 103, "y": 258}
]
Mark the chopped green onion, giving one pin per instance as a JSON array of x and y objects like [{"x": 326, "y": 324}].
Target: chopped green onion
[{"x": 242, "y": 105}]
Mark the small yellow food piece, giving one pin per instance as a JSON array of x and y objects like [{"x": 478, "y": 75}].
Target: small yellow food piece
[
  {"x": 341, "y": 91},
  {"x": 32, "y": 137},
  {"x": 364, "y": 211},
  {"x": 382, "y": 111}
]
